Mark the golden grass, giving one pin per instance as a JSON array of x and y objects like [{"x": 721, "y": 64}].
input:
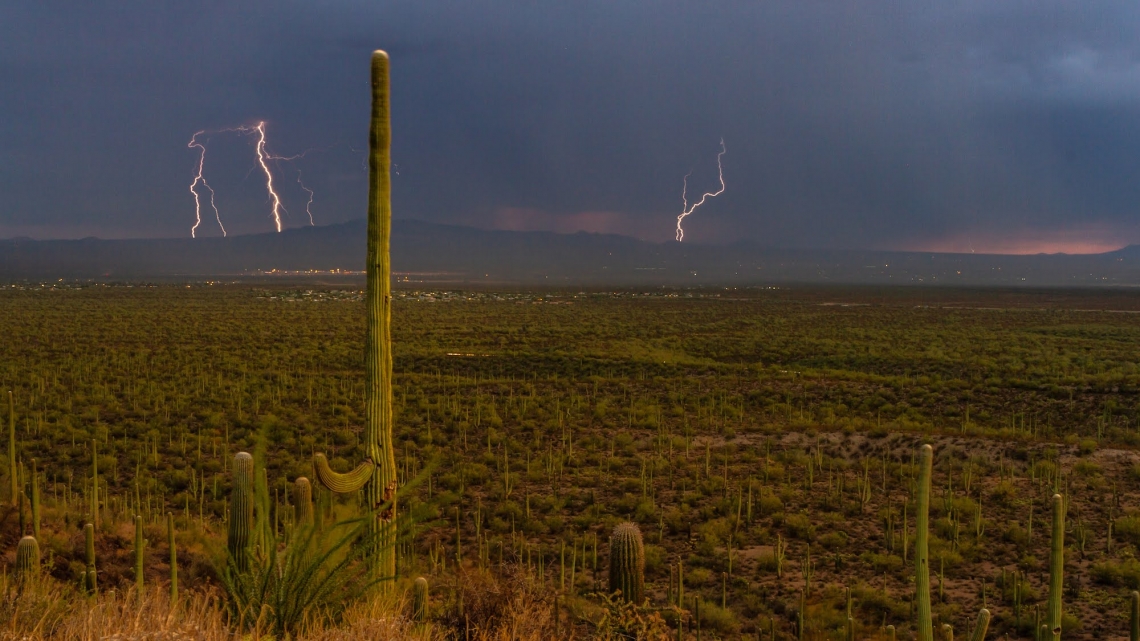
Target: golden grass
[{"x": 494, "y": 609}]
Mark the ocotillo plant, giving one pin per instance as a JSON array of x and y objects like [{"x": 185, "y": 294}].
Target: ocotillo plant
[
  {"x": 27, "y": 558},
  {"x": 241, "y": 510},
  {"x": 173, "y": 557},
  {"x": 419, "y": 600},
  {"x": 377, "y": 474},
  {"x": 921, "y": 545},
  {"x": 1057, "y": 565},
  {"x": 90, "y": 582},
  {"x": 140, "y": 547},
  {"x": 982, "y": 626},
  {"x": 627, "y": 562}
]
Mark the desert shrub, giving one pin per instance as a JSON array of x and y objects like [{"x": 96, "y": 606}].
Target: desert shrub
[
  {"x": 833, "y": 540},
  {"x": 718, "y": 619},
  {"x": 1125, "y": 574},
  {"x": 799, "y": 526},
  {"x": 1127, "y": 527}
]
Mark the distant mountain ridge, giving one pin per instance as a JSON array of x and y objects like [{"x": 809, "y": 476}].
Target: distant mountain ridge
[{"x": 431, "y": 252}]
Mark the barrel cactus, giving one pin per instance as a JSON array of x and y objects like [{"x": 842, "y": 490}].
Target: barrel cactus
[
  {"x": 376, "y": 475},
  {"x": 27, "y": 558},
  {"x": 921, "y": 545},
  {"x": 627, "y": 562},
  {"x": 241, "y": 511},
  {"x": 419, "y": 600}
]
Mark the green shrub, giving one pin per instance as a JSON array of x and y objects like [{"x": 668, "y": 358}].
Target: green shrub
[
  {"x": 799, "y": 526},
  {"x": 1124, "y": 574}
]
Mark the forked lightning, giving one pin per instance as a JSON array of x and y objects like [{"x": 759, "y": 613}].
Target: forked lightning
[{"x": 687, "y": 209}]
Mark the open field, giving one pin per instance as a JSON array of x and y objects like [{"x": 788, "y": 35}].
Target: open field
[{"x": 730, "y": 424}]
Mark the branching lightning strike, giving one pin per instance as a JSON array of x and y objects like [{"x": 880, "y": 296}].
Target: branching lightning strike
[
  {"x": 263, "y": 158},
  {"x": 686, "y": 209},
  {"x": 193, "y": 188}
]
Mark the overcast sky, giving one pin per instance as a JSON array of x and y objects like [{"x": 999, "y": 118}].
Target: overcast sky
[{"x": 995, "y": 125}]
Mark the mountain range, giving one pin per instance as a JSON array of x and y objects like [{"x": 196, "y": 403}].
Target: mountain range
[{"x": 463, "y": 256}]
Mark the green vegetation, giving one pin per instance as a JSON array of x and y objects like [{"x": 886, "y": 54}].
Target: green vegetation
[{"x": 765, "y": 443}]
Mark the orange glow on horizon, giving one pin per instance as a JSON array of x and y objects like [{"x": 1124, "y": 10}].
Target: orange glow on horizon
[{"x": 1090, "y": 241}]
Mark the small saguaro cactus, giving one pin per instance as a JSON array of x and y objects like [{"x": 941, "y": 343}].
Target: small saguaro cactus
[
  {"x": 1134, "y": 619},
  {"x": 921, "y": 545},
  {"x": 27, "y": 559},
  {"x": 1057, "y": 565},
  {"x": 140, "y": 549},
  {"x": 241, "y": 510},
  {"x": 419, "y": 600},
  {"x": 303, "y": 502},
  {"x": 90, "y": 582},
  {"x": 982, "y": 626},
  {"x": 173, "y": 557},
  {"x": 627, "y": 562},
  {"x": 376, "y": 475}
]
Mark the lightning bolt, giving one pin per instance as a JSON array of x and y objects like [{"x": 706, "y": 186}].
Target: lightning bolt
[
  {"x": 686, "y": 208},
  {"x": 261, "y": 157},
  {"x": 194, "y": 185},
  {"x": 308, "y": 204}
]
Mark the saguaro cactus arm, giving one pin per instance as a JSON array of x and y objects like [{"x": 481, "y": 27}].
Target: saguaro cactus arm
[{"x": 342, "y": 483}]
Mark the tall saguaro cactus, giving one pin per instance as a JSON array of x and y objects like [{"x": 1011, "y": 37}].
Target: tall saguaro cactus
[
  {"x": 921, "y": 545},
  {"x": 14, "y": 489},
  {"x": 1057, "y": 565},
  {"x": 377, "y": 474}
]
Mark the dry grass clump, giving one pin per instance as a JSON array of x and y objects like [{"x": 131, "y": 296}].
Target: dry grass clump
[
  {"x": 48, "y": 610},
  {"x": 482, "y": 606}
]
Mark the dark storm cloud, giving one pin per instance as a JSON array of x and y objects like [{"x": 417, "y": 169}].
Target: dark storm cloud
[{"x": 882, "y": 124}]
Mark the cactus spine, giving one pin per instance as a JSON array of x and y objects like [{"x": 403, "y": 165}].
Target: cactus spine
[
  {"x": 1057, "y": 565},
  {"x": 419, "y": 600},
  {"x": 89, "y": 576},
  {"x": 303, "y": 502},
  {"x": 140, "y": 547},
  {"x": 921, "y": 545},
  {"x": 27, "y": 559},
  {"x": 982, "y": 626},
  {"x": 173, "y": 557},
  {"x": 377, "y": 474},
  {"x": 627, "y": 562},
  {"x": 241, "y": 510}
]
